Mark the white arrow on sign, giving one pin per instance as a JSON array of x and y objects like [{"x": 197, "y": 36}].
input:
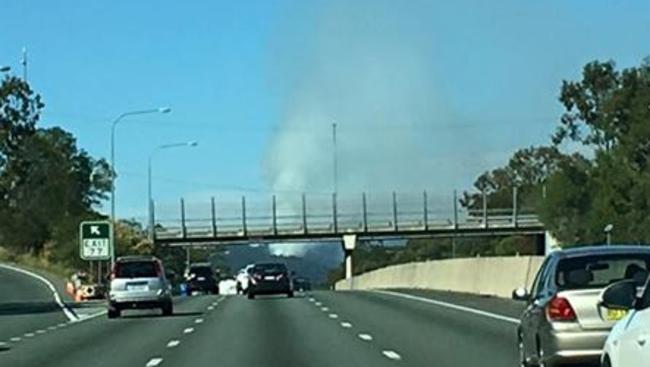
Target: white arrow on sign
[{"x": 95, "y": 230}]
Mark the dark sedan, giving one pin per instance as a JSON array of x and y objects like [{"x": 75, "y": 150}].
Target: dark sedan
[{"x": 270, "y": 278}]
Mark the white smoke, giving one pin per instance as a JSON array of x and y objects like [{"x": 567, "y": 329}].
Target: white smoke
[
  {"x": 372, "y": 73},
  {"x": 290, "y": 249}
]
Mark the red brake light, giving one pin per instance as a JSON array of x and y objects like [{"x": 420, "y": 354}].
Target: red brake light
[{"x": 559, "y": 309}]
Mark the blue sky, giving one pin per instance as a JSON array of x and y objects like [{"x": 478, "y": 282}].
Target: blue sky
[{"x": 426, "y": 94}]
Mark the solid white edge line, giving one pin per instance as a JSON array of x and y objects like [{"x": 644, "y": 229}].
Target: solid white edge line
[
  {"x": 153, "y": 362},
  {"x": 57, "y": 298},
  {"x": 452, "y": 306},
  {"x": 391, "y": 354}
]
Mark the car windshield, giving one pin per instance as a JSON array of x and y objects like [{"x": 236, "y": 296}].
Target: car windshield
[
  {"x": 136, "y": 269},
  {"x": 599, "y": 271}
]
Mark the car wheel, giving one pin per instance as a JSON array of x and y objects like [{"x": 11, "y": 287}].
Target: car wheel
[
  {"x": 251, "y": 295},
  {"x": 290, "y": 294},
  {"x": 113, "y": 313},
  {"x": 167, "y": 309}
]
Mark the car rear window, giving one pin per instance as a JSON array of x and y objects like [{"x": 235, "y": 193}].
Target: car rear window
[
  {"x": 136, "y": 269},
  {"x": 270, "y": 268},
  {"x": 597, "y": 271},
  {"x": 202, "y": 271}
]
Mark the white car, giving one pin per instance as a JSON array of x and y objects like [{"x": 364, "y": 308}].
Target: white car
[{"x": 628, "y": 344}]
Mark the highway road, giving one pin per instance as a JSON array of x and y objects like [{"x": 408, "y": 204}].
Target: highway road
[{"x": 322, "y": 328}]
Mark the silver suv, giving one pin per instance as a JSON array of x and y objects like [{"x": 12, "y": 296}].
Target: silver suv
[
  {"x": 564, "y": 321},
  {"x": 138, "y": 282}
]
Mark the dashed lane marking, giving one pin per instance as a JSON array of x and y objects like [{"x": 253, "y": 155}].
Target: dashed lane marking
[
  {"x": 29, "y": 335},
  {"x": 346, "y": 325},
  {"x": 153, "y": 362},
  {"x": 210, "y": 308},
  {"x": 333, "y": 316},
  {"x": 325, "y": 309},
  {"x": 173, "y": 343},
  {"x": 198, "y": 321},
  {"x": 188, "y": 330},
  {"x": 391, "y": 354},
  {"x": 366, "y": 337},
  {"x": 40, "y": 331},
  {"x": 15, "y": 339},
  {"x": 318, "y": 304}
]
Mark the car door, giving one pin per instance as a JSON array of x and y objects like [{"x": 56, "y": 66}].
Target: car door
[
  {"x": 531, "y": 313},
  {"x": 634, "y": 342}
]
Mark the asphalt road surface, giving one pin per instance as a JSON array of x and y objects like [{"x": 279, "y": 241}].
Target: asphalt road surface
[{"x": 317, "y": 329}]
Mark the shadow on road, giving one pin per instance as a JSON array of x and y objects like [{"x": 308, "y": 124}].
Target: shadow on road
[
  {"x": 25, "y": 308},
  {"x": 156, "y": 315}
]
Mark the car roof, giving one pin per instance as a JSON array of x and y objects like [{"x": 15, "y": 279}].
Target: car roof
[{"x": 602, "y": 250}]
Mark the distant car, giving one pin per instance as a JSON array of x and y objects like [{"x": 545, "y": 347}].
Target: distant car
[
  {"x": 628, "y": 345},
  {"x": 270, "y": 278},
  {"x": 200, "y": 277},
  {"x": 242, "y": 279},
  {"x": 138, "y": 282},
  {"x": 301, "y": 284},
  {"x": 564, "y": 321}
]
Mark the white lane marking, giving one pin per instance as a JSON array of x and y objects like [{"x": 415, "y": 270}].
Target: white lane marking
[
  {"x": 29, "y": 335},
  {"x": 333, "y": 316},
  {"x": 3, "y": 345},
  {"x": 90, "y": 316},
  {"x": 173, "y": 343},
  {"x": 40, "y": 331},
  {"x": 311, "y": 300},
  {"x": 210, "y": 308},
  {"x": 153, "y": 362},
  {"x": 325, "y": 309},
  {"x": 391, "y": 354},
  {"x": 61, "y": 324},
  {"x": 366, "y": 337},
  {"x": 189, "y": 330},
  {"x": 198, "y": 321},
  {"x": 453, "y": 306},
  {"x": 15, "y": 339},
  {"x": 346, "y": 325},
  {"x": 68, "y": 313},
  {"x": 51, "y": 328},
  {"x": 318, "y": 304}
]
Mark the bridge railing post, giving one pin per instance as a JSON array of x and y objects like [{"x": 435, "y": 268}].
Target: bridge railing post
[
  {"x": 335, "y": 214},
  {"x": 425, "y": 213},
  {"x": 304, "y": 213},
  {"x": 274, "y": 208},
  {"x": 485, "y": 213},
  {"x": 183, "y": 227},
  {"x": 364, "y": 206},
  {"x": 395, "y": 226},
  {"x": 514, "y": 207},
  {"x": 243, "y": 215},
  {"x": 213, "y": 213},
  {"x": 455, "y": 210}
]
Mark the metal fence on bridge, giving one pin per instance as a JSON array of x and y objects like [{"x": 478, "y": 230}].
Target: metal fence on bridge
[{"x": 327, "y": 216}]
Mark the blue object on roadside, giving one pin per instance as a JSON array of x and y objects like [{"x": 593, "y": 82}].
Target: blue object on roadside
[{"x": 183, "y": 289}]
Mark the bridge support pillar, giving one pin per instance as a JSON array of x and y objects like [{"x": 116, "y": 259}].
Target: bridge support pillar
[{"x": 349, "y": 244}]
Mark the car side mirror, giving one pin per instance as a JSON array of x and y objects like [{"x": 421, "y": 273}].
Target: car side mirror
[
  {"x": 520, "y": 294},
  {"x": 620, "y": 295}
]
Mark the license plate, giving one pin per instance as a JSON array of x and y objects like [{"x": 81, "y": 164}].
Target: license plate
[
  {"x": 136, "y": 287},
  {"x": 269, "y": 278},
  {"x": 615, "y": 314},
  {"x": 200, "y": 279}
]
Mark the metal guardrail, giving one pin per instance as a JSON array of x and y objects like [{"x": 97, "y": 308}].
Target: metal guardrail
[{"x": 305, "y": 221}]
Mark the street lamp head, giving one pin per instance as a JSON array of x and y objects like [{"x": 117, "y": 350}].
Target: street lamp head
[
  {"x": 164, "y": 109},
  {"x": 608, "y": 228},
  {"x": 192, "y": 143},
  {"x": 4, "y": 69}
]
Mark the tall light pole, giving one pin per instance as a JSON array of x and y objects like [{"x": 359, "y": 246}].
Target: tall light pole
[
  {"x": 149, "y": 169},
  {"x": 335, "y": 163},
  {"x": 113, "y": 170}
]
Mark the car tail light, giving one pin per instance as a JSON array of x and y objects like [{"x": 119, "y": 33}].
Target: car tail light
[{"x": 559, "y": 309}]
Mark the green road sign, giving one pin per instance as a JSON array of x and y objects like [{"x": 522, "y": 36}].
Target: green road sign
[{"x": 95, "y": 240}]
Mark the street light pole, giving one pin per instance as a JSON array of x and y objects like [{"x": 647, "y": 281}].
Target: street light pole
[
  {"x": 113, "y": 171},
  {"x": 149, "y": 175},
  {"x": 608, "y": 230},
  {"x": 335, "y": 162}
]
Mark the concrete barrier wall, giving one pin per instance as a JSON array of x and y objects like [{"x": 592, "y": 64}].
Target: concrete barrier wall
[{"x": 495, "y": 276}]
